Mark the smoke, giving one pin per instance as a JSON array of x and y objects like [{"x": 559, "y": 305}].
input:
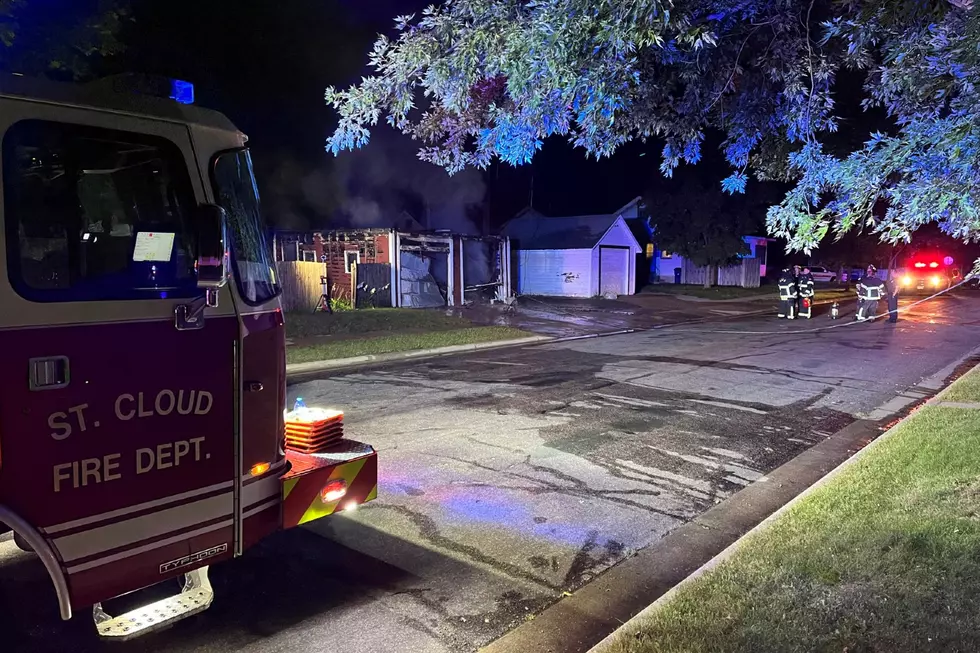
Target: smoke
[
  {"x": 282, "y": 178},
  {"x": 373, "y": 187},
  {"x": 363, "y": 212},
  {"x": 388, "y": 174},
  {"x": 477, "y": 269}
]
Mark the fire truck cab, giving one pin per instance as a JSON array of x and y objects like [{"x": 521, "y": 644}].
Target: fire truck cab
[
  {"x": 927, "y": 273},
  {"x": 143, "y": 427}
]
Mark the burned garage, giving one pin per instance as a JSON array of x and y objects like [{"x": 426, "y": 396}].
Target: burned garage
[{"x": 367, "y": 268}]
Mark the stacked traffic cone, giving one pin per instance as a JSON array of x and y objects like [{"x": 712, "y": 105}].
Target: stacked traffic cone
[{"x": 313, "y": 430}]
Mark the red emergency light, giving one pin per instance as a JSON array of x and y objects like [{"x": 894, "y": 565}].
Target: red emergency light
[
  {"x": 920, "y": 265},
  {"x": 334, "y": 490},
  {"x": 934, "y": 265}
]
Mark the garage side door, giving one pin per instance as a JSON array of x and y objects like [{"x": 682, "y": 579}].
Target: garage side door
[{"x": 613, "y": 270}]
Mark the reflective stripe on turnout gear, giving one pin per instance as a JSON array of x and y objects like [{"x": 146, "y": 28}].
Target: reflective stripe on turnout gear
[
  {"x": 870, "y": 293},
  {"x": 787, "y": 286},
  {"x": 805, "y": 284},
  {"x": 871, "y": 288}
]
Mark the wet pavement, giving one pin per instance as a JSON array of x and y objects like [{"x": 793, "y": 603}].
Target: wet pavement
[
  {"x": 569, "y": 318},
  {"x": 511, "y": 477}
]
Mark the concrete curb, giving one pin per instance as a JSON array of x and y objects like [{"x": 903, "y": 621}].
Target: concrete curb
[
  {"x": 633, "y": 624},
  {"x": 295, "y": 369}
]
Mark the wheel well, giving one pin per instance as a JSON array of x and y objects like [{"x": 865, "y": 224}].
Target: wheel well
[{"x": 11, "y": 521}]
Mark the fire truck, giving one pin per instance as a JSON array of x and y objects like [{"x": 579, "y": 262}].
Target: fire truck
[
  {"x": 927, "y": 273},
  {"x": 144, "y": 434}
]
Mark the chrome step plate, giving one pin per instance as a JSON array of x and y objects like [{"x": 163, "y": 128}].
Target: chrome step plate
[{"x": 195, "y": 598}]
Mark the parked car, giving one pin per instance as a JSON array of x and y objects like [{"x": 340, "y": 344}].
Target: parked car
[{"x": 822, "y": 274}]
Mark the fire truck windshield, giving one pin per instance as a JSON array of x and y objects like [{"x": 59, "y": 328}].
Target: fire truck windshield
[{"x": 237, "y": 192}]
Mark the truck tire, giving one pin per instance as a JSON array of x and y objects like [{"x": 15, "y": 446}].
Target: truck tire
[{"x": 22, "y": 544}]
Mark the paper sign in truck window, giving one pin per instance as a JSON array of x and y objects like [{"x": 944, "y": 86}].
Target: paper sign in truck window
[{"x": 153, "y": 246}]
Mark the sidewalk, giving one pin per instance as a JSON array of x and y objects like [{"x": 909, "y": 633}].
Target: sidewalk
[{"x": 881, "y": 555}]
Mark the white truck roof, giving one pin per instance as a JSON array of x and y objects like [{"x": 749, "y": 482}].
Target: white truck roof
[{"x": 105, "y": 95}]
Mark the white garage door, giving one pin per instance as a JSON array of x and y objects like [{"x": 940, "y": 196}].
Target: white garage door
[
  {"x": 555, "y": 272},
  {"x": 613, "y": 270}
]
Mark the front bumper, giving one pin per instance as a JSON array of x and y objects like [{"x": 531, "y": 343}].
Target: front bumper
[
  {"x": 354, "y": 463},
  {"x": 923, "y": 284}
]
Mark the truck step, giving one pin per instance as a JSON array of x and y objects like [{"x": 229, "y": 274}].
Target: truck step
[{"x": 195, "y": 597}]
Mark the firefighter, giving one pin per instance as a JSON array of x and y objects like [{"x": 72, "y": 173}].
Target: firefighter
[
  {"x": 796, "y": 284},
  {"x": 870, "y": 290},
  {"x": 804, "y": 284},
  {"x": 893, "y": 287},
  {"x": 787, "y": 294}
]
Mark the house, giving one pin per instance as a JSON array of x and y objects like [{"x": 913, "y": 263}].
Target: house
[
  {"x": 759, "y": 248},
  {"x": 396, "y": 268},
  {"x": 658, "y": 265},
  {"x": 580, "y": 256},
  {"x": 664, "y": 262}
]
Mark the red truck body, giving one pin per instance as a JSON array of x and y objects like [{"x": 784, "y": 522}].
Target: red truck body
[{"x": 142, "y": 374}]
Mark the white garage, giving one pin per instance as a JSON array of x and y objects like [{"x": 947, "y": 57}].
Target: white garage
[{"x": 580, "y": 256}]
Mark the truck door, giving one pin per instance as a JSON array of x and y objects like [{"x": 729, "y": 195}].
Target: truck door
[{"x": 117, "y": 423}]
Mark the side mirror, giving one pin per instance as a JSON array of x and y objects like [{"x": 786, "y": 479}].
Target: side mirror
[{"x": 211, "y": 223}]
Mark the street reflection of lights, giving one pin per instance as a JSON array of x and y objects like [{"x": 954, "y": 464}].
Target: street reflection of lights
[{"x": 497, "y": 507}]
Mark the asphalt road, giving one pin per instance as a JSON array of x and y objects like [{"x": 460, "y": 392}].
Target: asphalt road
[{"x": 510, "y": 477}]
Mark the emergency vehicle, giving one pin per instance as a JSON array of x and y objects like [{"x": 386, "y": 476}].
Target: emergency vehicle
[
  {"x": 143, "y": 429},
  {"x": 927, "y": 273}
]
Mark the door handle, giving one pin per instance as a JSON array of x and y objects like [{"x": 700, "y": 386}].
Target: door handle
[
  {"x": 190, "y": 316},
  {"x": 254, "y": 386},
  {"x": 49, "y": 373}
]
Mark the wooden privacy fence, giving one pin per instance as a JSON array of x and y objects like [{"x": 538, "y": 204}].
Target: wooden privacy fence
[
  {"x": 745, "y": 274},
  {"x": 301, "y": 287}
]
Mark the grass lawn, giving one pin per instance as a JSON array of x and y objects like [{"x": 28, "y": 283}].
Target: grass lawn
[
  {"x": 386, "y": 344},
  {"x": 834, "y": 293},
  {"x": 306, "y": 325},
  {"x": 884, "y": 558},
  {"x": 966, "y": 389}
]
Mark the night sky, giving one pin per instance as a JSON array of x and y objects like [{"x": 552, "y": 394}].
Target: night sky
[{"x": 266, "y": 65}]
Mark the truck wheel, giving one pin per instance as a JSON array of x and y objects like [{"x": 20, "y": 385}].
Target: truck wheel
[{"x": 22, "y": 543}]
